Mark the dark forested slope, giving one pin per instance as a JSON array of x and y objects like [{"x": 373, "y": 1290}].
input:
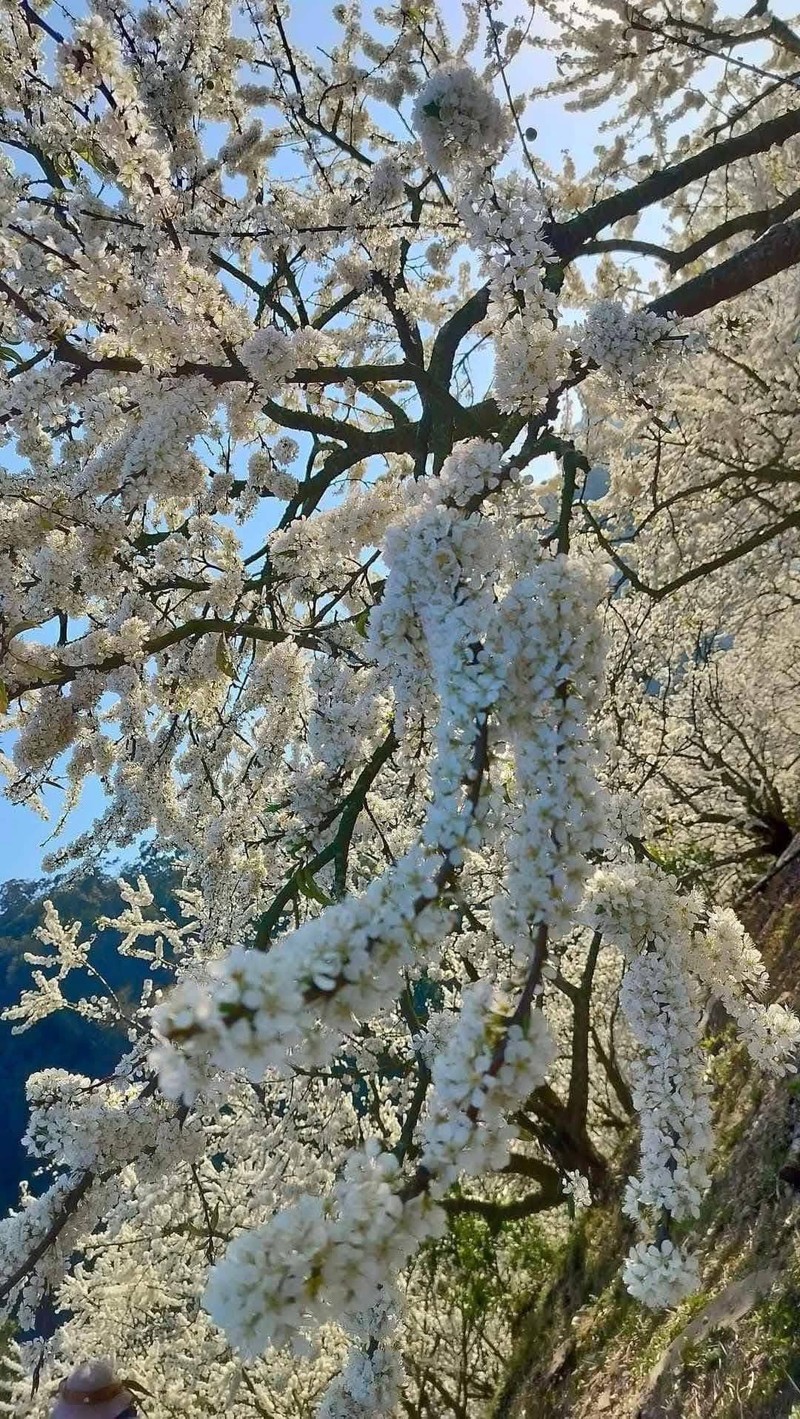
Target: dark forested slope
[{"x": 63, "y": 1040}]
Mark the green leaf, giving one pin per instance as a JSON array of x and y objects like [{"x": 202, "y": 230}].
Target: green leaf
[
  {"x": 307, "y": 886},
  {"x": 65, "y": 167},
  {"x": 3, "y": 698},
  {"x": 361, "y": 621},
  {"x": 223, "y": 660},
  {"x": 8, "y": 354},
  {"x": 96, "y": 160},
  {"x": 432, "y": 110}
]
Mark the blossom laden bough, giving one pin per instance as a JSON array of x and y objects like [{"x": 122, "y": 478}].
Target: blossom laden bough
[
  {"x": 311, "y": 556},
  {"x": 459, "y": 119}
]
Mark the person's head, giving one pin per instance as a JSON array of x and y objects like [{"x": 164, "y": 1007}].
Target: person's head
[{"x": 93, "y": 1392}]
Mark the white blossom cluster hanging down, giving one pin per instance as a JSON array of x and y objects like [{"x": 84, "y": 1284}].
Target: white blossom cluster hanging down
[
  {"x": 466, "y": 1131},
  {"x": 677, "y": 958},
  {"x": 312, "y": 367},
  {"x": 371, "y": 1380},
  {"x": 320, "y": 1258},
  {"x": 442, "y": 621}
]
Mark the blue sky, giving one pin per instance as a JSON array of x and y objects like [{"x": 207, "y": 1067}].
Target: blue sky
[{"x": 23, "y": 834}]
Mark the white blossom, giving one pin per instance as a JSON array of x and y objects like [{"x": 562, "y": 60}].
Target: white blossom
[
  {"x": 458, "y": 119},
  {"x": 624, "y": 343},
  {"x": 362, "y": 540}
]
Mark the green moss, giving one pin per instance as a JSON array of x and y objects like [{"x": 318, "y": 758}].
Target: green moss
[
  {"x": 780, "y": 1328},
  {"x": 785, "y": 923},
  {"x": 665, "y": 1329},
  {"x": 702, "y": 1356}
]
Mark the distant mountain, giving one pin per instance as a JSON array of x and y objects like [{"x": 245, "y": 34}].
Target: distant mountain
[{"x": 63, "y": 1040}]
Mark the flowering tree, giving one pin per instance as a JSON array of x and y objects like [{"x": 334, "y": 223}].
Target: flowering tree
[
  {"x": 704, "y": 679},
  {"x": 292, "y": 354}
]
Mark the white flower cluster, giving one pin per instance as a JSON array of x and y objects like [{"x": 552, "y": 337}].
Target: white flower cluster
[
  {"x": 439, "y": 602},
  {"x": 95, "y": 1139},
  {"x": 347, "y": 711},
  {"x": 313, "y": 552},
  {"x": 487, "y": 1069},
  {"x": 270, "y": 356},
  {"x": 532, "y": 360},
  {"x": 636, "y": 905},
  {"x": 661, "y": 1004},
  {"x": 319, "y": 1260},
  {"x": 624, "y": 343},
  {"x": 436, "y": 624},
  {"x": 367, "y": 1388},
  {"x": 263, "y": 1007},
  {"x": 660, "y": 1274},
  {"x": 675, "y": 962},
  {"x": 458, "y": 120},
  {"x": 385, "y": 184},
  {"x": 44, "y": 998},
  {"x": 504, "y": 224},
  {"x": 285, "y": 450},
  {"x": 159, "y": 441},
  {"x": 553, "y": 647},
  {"x": 78, "y": 1123},
  {"x": 70, "y": 951},
  {"x": 134, "y": 927},
  {"x": 471, "y": 471},
  {"x": 22, "y": 1231},
  {"x": 664, "y": 1011},
  {"x": 92, "y": 59},
  {"x": 430, "y": 1042},
  {"x": 731, "y": 966},
  {"x": 532, "y": 355},
  {"x": 576, "y": 1187},
  {"x": 266, "y": 472},
  {"x": 70, "y": 954}
]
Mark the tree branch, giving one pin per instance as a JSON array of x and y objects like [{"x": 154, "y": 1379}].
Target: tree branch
[
  {"x": 776, "y": 251},
  {"x": 567, "y": 238}
]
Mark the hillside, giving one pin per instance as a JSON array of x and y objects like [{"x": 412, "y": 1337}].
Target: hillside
[
  {"x": 585, "y": 1350},
  {"x": 63, "y": 1040}
]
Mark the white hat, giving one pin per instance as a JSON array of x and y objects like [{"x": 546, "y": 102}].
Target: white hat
[{"x": 92, "y": 1392}]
